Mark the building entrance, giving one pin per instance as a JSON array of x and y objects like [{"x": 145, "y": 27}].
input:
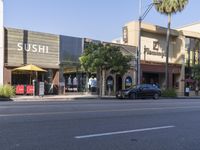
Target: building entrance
[
  {"x": 150, "y": 78},
  {"x": 75, "y": 82},
  {"x": 118, "y": 82}
]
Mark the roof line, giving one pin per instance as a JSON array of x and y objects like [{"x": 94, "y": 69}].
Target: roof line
[{"x": 190, "y": 24}]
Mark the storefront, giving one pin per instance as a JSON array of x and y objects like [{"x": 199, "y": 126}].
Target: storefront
[
  {"x": 71, "y": 74},
  {"x": 114, "y": 81},
  {"x": 192, "y": 56},
  {"x": 153, "y": 54},
  {"x": 59, "y": 56},
  {"x": 154, "y": 73},
  {"x": 24, "y": 47}
]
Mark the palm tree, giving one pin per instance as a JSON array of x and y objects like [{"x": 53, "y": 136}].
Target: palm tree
[{"x": 169, "y": 7}]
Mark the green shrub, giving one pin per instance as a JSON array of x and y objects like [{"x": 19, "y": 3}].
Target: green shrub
[
  {"x": 1, "y": 91},
  {"x": 169, "y": 93},
  {"x": 7, "y": 91}
]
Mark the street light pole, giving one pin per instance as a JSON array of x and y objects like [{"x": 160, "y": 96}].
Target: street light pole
[
  {"x": 139, "y": 51},
  {"x": 139, "y": 43},
  {"x": 141, "y": 17}
]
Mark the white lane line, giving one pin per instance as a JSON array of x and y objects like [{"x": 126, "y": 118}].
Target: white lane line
[{"x": 122, "y": 132}]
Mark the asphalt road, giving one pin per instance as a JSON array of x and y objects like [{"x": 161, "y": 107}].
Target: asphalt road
[{"x": 100, "y": 125}]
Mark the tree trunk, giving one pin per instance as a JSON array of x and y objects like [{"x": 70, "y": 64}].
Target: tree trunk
[
  {"x": 103, "y": 82},
  {"x": 87, "y": 82},
  {"x": 100, "y": 82},
  {"x": 167, "y": 53}
]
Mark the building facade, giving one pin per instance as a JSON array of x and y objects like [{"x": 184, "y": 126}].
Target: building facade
[
  {"x": 22, "y": 47},
  {"x": 184, "y": 50},
  {"x": 59, "y": 56},
  {"x": 114, "y": 81},
  {"x": 191, "y": 35}
]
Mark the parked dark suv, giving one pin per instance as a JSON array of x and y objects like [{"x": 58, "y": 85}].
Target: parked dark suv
[{"x": 140, "y": 91}]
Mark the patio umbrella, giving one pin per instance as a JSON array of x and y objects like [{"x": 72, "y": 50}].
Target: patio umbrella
[{"x": 29, "y": 68}]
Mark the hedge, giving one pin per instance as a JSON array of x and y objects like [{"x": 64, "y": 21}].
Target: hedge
[{"x": 171, "y": 93}]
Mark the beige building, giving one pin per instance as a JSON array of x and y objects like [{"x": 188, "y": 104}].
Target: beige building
[{"x": 184, "y": 52}]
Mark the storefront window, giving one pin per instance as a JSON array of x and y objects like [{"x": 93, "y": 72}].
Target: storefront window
[
  {"x": 192, "y": 57},
  {"x": 75, "y": 81},
  {"x": 128, "y": 82},
  {"x": 192, "y": 47}
]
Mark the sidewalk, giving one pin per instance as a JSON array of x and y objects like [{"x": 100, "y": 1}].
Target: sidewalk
[{"x": 59, "y": 97}]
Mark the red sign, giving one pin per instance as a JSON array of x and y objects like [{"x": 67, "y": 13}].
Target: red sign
[
  {"x": 20, "y": 89},
  {"x": 29, "y": 89}
]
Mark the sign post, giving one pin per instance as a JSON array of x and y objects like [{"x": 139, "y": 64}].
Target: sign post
[{"x": 41, "y": 89}]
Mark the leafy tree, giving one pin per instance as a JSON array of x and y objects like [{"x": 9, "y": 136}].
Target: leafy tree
[
  {"x": 196, "y": 72},
  {"x": 99, "y": 57},
  {"x": 169, "y": 7}
]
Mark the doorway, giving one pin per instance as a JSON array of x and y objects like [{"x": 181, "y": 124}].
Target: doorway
[
  {"x": 118, "y": 82},
  {"x": 150, "y": 78}
]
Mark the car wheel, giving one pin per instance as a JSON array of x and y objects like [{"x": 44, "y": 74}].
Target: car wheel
[
  {"x": 132, "y": 96},
  {"x": 156, "y": 96}
]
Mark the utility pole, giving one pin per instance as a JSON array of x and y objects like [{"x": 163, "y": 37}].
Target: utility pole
[
  {"x": 141, "y": 17},
  {"x": 139, "y": 43}
]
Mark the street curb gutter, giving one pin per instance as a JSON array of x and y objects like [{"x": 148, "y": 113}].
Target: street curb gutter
[
  {"x": 62, "y": 98},
  {"x": 5, "y": 99}
]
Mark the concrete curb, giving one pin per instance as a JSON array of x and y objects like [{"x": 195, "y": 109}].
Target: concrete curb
[
  {"x": 77, "y": 97},
  {"x": 188, "y": 97}
]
